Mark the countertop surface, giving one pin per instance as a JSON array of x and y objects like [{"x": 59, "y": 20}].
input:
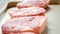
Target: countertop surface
[
  {"x": 53, "y": 15},
  {"x": 2, "y": 3}
]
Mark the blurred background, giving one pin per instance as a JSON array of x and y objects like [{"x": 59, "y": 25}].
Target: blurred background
[{"x": 55, "y": 2}]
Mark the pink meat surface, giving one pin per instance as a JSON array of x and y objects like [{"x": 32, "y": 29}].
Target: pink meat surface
[
  {"x": 27, "y": 33},
  {"x": 34, "y": 24},
  {"x": 30, "y": 3},
  {"x": 31, "y": 11}
]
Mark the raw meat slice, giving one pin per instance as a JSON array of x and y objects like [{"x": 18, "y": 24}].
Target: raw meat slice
[
  {"x": 30, "y": 3},
  {"x": 22, "y": 33},
  {"x": 31, "y": 11},
  {"x": 27, "y": 33},
  {"x": 34, "y": 24}
]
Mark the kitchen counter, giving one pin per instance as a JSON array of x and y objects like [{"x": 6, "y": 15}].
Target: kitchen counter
[
  {"x": 2, "y": 3},
  {"x": 53, "y": 15}
]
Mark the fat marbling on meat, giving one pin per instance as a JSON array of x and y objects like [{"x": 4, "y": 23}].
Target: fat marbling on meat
[
  {"x": 32, "y": 3},
  {"x": 34, "y": 24},
  {"x": 31, "y": 11}
]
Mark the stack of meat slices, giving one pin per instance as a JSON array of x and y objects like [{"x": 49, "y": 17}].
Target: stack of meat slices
[
  {"x": 31, "y": 11},
  {"x": 27, "y": 18},
  {"x": 31, "y": 24},
  {"x": 32, "y": 3}
]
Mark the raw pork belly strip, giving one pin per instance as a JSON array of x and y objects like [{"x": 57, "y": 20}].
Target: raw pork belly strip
[
  {"x": 35, "y": 24},
  {"x": 30, "y": 3},
  {"x": 31, "y": 11}
]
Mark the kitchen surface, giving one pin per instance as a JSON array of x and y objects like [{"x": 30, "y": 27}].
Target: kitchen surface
[
  {"x": 2, "y": 3},
  {"x": 53, "y": 19},
  {"x": 53, "y": 14}
]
